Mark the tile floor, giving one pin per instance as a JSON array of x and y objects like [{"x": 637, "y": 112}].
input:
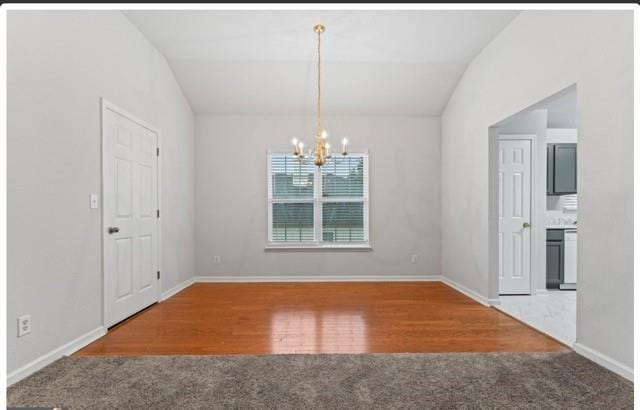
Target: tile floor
[{"x": 553, "y": 312}]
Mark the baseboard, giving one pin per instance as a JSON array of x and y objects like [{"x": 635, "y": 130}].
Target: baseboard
[
  {"x": 180, "y": 286},
  {"x": 64, "y": 350},
  {"x": 318, "y": 278},
  {"x": 604, "y": 361},
  {"x": 468, "y": 292}
]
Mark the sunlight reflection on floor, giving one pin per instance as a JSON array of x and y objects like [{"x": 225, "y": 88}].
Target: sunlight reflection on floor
[{"x": 311, "y": 332}]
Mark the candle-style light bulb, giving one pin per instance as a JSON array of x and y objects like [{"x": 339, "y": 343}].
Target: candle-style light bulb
[
  {"x": 327, "y": 149},
  {"x": 294, "y": 141},
  {"x": 324, "y": 134},
  {"x": 344, "y": 146},
  {"x": 301, "y": 149}
]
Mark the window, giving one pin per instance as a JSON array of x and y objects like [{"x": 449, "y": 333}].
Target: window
[{"x": 318, "y": 207}]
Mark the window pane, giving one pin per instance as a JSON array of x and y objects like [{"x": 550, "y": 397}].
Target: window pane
[
  {"x": 292, "y": 222},
  {"x": 343, "y": 222},
  {"x": 343, "y": 177},
  {"x": 291, "y": 178}
]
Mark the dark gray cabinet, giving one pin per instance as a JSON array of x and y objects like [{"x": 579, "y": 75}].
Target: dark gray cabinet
[
  {"x": 562, "y": 169},
  {"x": 555, "y": 258},
  {"x": 549, "y": 169}
]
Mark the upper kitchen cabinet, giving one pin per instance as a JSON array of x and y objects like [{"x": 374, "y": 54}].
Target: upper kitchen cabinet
[{"x": 561, "y": 169}]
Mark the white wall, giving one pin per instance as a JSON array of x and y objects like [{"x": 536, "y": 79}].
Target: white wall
[
  {"x": 231, "y": 196},
  {"x": 562, "y": 136},
  {"x": 59, "y": 65},
  {"x": 594, "y": 50}
]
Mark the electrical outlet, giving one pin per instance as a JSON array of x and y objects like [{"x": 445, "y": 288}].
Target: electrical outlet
[
  {"x": 24, "y": 325},
  {"x": 216, "y": 259},
  {"x": 414, "y": 258}
]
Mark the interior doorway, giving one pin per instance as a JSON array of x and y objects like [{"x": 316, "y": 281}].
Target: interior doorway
[
  {"x": 515, "y": 192},
  {"x": 131, "y": 216},
  {"x": 534, "y": 215}
]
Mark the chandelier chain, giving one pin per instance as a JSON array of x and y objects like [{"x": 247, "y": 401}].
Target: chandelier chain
[
  {"x": 318, "y": 125},
  {"x": 321, "y": 151}
]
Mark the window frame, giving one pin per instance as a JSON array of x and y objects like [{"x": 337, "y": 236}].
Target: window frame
[{"x": 317, "y": 201}]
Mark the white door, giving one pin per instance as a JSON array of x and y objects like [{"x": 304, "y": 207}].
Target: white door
[
  {"x": 514, "y": 216},
  {"x": 130, "y": 215}
]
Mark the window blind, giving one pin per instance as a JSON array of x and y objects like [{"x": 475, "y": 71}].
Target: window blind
[
  {"x": 343, "y": 222},
  {"x": 291, "y": 177},
  {"x": 292, "y": 222},
  {"x": 343, "y": 177},
  {"x": 318, "y": 205}
]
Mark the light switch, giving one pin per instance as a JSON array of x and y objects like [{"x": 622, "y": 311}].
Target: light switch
[{"x": 94, "y": 201}]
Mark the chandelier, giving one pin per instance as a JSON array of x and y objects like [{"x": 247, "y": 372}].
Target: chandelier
[{"x": 321, "y": 150}]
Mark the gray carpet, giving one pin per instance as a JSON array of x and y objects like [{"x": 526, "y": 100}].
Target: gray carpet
[{"x": 442, "y": 381}]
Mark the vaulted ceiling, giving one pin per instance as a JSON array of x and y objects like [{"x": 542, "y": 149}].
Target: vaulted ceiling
[{"x": 374, "y": 62}]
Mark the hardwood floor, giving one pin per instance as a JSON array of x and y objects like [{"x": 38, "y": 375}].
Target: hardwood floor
[{"x": 355, "y": 317}]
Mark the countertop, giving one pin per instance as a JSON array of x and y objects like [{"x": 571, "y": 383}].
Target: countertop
[{"x": 562, "y": 226}]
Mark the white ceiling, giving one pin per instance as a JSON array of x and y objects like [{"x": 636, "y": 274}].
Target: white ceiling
[{"x": 374, "y": 62}]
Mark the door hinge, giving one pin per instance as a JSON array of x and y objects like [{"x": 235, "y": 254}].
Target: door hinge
[
  {"x": 157, "y": 151},
  {"x": 158, "y": 213},
  {"x": 158, "y": 274}
]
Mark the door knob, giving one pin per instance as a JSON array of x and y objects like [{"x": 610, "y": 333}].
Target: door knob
[
  {"x": 113, "y": 229},
  {"x": 526, "y": 225}
]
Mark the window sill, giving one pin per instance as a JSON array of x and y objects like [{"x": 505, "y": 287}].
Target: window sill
[{"x": 365, "y": 247}]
